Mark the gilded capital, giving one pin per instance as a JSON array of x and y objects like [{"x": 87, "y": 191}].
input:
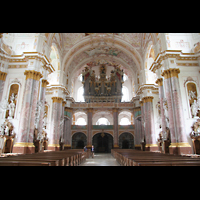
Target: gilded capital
[
  {"x": 57, "y": 99},
  {"x": 32, "y": 74},
  {"x": 159, "y": 81},
  {"x": 44, "y": 83},
  {"x": 147, "y": 99},
  {"x": 63, "y": 103},
  {"x": 3, "y": 76},
  {"x": 172, "y": 72}
]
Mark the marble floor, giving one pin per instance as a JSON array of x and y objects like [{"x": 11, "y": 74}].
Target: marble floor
[{"x": 101, "y": 159}]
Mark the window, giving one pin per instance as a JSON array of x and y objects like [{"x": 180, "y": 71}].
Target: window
[
  {"x": 125, "y": 121},
  {"x": 103, "y": 121},
  {"x": 125, "y": 94},
  {"x": 81, "y": 121},
  {"x": 80, "y": 97}
]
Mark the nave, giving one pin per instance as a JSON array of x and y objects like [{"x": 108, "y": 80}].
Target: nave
[{"x": 101, "y": 159}]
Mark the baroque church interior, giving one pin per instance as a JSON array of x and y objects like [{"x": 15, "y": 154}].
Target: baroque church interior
[{"x": 110, "y": 90}]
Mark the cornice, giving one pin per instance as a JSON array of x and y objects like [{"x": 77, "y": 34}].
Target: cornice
[
  {"x": 26, "y": 56},
  {"x": 147, "y": 87},
  {"x": 177, "y": 54},
  {"x": 60, "y": 87}
]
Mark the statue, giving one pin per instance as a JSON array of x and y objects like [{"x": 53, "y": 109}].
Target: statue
[
  {"x": 194, "y": 108},
  {"x": 165, "y": 106},
  {"x": 11, "y": 106}
]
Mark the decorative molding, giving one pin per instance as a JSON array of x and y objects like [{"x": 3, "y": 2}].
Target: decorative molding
[
  {"x": 177, "y": 54},
  {"x": 169, "y": 73},
  {"x": 3, "y": 75},
  {"x": 32, "y": 74},
  {"x": 57, "y": 99}
]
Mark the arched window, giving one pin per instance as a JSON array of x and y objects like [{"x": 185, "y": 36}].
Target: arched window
[
  {"x": 103, "y": 121},
  {"x": 81, "y": 121},
  {"x": 80, "y": 97},
  {"x": 125, "y": 94},
  {"x": 124, "y": 121}
]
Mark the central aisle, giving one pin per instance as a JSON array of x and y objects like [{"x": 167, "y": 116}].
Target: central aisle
[{"x": 101, "y": 159}]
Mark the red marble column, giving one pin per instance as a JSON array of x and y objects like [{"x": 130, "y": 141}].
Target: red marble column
[
  {"x": 179, "y": 142},
  {"x": 89, "y": 128},
  {"x": 149, "y": 123},
  {"x": 24, "y": 142},
  {"x": 55, "y": 124},
  {"x": 115, "y": 122}
]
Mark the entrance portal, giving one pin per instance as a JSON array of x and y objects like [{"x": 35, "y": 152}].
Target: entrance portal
[
  {"x": 126, "y": 141},
  {"x": 79, "y": 140},
  {"x": 103, "y": 143}
]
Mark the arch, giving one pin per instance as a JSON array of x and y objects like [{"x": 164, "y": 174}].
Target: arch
[
  {"x": 125, "y": 92},
  {"x": 128, "y": 138},
  {"x": 191, "y": 94},
  {"x": 150, "y": 77},
  {"x": 126, "y": 114},
  {"x": 77, "y": 139},
  {"x": 80, "y": 92},
  {"x": 77, "y": 115},
  {"x": 103, "y": 113},
  {"x": 102, "y": 142}
]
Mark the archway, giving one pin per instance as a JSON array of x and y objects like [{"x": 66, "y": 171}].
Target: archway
[
  {"x": 103, "y": 143},
  {"x": 126, "y": 141},
  {"x": 79, "y": 140}
]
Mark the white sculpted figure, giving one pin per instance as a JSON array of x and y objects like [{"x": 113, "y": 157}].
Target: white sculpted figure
[
  {"x": 194, "y": 108},
  {"x": 11, "y": 106}
]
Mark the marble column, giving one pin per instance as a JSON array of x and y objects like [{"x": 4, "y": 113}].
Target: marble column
[
  {"x": 161, "y": 96},
  {"x": 149, "y": 123},
  {"x": 42, "y": 99},
  {"x": 24, "y": 142},
  {"x": 2, "y": 82},
  {"x": 138, "y": 131},
  {"x": 179, "y": 142},
  {"x": 89, "y": 127},
  {"x": 55, "y": 123},
  {"x": 116, "y": 133},
  {"x": 142, "y": 120},
  {"x": 67, "y": 127}
]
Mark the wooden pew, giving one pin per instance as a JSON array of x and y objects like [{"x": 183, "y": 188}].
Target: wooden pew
[
  {"x": 53, "y": 158},
  {"x": 130, "y": 157}
]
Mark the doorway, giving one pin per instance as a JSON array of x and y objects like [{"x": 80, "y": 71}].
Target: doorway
[
  {"x": 103, "y": 143},
  {"x": 126, "y": 141},
  {"x": 79, "y": 140}
]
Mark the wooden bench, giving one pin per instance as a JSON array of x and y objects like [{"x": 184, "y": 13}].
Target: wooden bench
[
  {"x": 130, "y": 157},
  {"x": 52, "y": 158}
]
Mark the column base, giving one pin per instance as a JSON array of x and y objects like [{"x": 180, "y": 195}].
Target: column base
[
  {"x": 151, "y": 147},
  {"x": 180, "y": 148},
  {"x": 138, "y": 147},
  {"x": 116, "y": 146},
  {"x": 66, "y": 146},
  {"x": 24, "y": 148},
  {"x": 54, "y": 147}
]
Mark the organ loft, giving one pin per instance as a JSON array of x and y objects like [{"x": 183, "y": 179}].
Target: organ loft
[{"x": 102, "y": 89}]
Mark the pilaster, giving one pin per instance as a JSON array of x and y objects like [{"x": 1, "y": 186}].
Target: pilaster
[{"x": 89, "y": 127}]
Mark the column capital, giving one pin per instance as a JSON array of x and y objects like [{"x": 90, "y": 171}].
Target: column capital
[
  {"x": 68, "y": 109},
  {"x": 159, "y": 81},
  {"x": 63, "y": 103},
  {"x": 44, "y": 83},
  {"x": 115, "y": 109},
  {"x": 90, "y": 110},
  {"x": 57, "y": 99},
  {"x": 3, "y": 75},
  {"x": 32, "y": 74},
  {"x": 169, "y": 73},
  {"x": 147, "y": 99},
  {"x": 141, "y": 103}
]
